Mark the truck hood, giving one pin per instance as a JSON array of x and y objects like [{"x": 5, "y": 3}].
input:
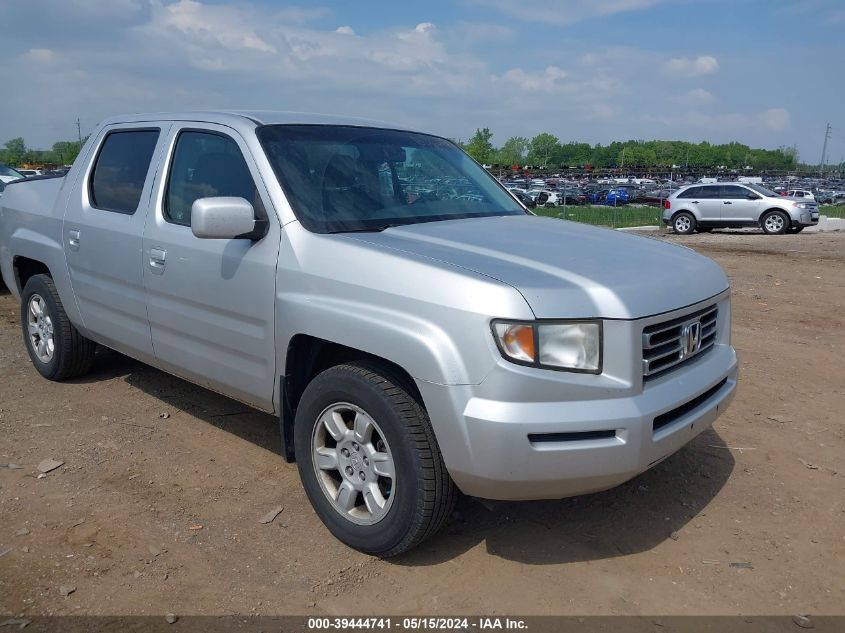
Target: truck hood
[{"x": 565, "y": 269}]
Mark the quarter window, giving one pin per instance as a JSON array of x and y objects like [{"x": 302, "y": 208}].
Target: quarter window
[
  {"x": 206, "y": 165},
  {"x": 692, "y": 192},
  {"x": 121, "y": 170}
]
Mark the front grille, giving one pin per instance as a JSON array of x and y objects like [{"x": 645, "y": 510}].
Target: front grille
[{"x": 665, "y": 345}]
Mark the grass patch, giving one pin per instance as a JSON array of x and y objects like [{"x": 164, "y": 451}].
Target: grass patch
[
  {"x": 832, "y": 210},
  {"x": 616, "y": 217}
]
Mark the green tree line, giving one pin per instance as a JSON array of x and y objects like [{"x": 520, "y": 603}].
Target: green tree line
[
  {"x": 544, "y": 150},
  {"x": 547, "y": 151},
  {"x": 15, "y": 153}
]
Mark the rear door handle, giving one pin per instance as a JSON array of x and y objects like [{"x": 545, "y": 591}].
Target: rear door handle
[
  {"x": 695, "y": 201},
  {"x": 158, "y": 258},
  {"x": 727, "y": 202},
  {"x": 73, "y": 239}
]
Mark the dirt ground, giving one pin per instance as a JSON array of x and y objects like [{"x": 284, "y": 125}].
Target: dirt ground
[{"x": 748, "y": 519}]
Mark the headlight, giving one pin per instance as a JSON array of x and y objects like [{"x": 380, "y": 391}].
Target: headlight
[
  {"x": 801, "y": 205},
  {"x": 562, "y": 345}
]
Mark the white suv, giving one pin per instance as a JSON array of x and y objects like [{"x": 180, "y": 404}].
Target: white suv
[
  {"x": 735, "y": 205},
  {"x": 801, "y": 193}
]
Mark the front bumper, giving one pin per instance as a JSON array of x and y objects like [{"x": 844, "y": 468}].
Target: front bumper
[
  {"x": 806, "y": 218},
  {"x": 503, "y": 440}
]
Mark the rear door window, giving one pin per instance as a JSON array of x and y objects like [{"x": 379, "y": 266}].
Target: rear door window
[{"x": 121, "y": 169}]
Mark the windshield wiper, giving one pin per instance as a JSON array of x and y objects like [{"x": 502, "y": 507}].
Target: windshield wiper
[{"x": 367, "y": 229}]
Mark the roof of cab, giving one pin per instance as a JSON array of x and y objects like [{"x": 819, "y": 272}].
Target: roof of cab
[{"x": 251, "y": 118}]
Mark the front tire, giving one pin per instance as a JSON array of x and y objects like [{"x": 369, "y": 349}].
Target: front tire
[
  {"x": 369, "y": 460},
  {"x": 775, "y": 223},
  {"x": 56, "y": 348},
  {"x": 683, "y": 223}
]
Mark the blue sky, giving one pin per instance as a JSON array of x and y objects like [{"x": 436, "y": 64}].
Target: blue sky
[{"x": 763, "y": 72}]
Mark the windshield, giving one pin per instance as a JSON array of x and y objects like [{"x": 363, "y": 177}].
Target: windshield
[
  {"x": 8, "y": 171},
  {"x": 345, "y": 178},
  {"x": 762, "y": 190}
]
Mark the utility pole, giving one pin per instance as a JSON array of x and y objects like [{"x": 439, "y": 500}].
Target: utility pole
[
  {"x": 79, "y": 131},
  {"x": 824, "y": 147}
]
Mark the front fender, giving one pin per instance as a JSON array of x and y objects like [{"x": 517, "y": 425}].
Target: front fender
[
  {"x": 429, "y": 317},
  {"x": 420, "y": 346}
]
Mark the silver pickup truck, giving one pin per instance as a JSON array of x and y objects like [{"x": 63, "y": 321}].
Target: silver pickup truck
[{"x": 415, "y": 329}]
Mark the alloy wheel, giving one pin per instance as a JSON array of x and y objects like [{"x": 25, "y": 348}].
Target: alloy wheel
[
  {"x": 40, "y": 329},
  {"x": 353, "y": 463}
]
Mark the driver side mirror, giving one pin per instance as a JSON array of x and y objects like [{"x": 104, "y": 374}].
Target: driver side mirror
[
  {"x": 753, "y": 196},
  {"x": 226, "y": 218}
]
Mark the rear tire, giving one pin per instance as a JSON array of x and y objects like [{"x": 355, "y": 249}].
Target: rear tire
[
  {"x": 774, "y": 223},
  {"x": 683, "y": 223},
  {"x": 56, "y": 348},
  {"x": 369, "y": 460}
]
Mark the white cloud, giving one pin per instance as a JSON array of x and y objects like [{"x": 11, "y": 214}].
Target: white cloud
[
  {"x": 569, "y": 12},
  {"x": 548, "y": 80},
  {"x": 692, "y": 67},
  {"x": 776, "y": 118},
  {"x": 202, "y": 54},
  {"x": 39, "y": 55},
  {"x": 698, "y": 96},
  {"x": 208, "y": 25}
]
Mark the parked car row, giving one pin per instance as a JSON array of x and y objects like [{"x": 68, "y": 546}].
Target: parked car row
[{"x": 11, "y": 174}]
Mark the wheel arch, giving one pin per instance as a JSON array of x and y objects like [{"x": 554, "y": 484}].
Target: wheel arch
[
  {"x": 25, "y": 268},
  {"x": 685, "y": 210},
  {"x": 773, "y": 209},
  {"x": 307, "y": 356}
]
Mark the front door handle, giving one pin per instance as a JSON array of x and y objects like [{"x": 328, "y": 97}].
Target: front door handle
[
  {"x": 73, "y": 236},
  {"x": 158, "y": 258},
  {"x": 727, "y": 202},
  {"x": 695, "y": 201}
]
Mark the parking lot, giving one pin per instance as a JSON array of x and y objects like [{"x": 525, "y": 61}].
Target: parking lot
[{"x": 158, "y": 503}]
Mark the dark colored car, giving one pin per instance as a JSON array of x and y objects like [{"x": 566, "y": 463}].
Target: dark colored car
[
  {"x": 655, "y": 197},
  {"x": 572, "y": 195},
  {"x": 524, "y": 198},
  {"x": 609, "y": 197},
  {"x": 634, "y": 192}
]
